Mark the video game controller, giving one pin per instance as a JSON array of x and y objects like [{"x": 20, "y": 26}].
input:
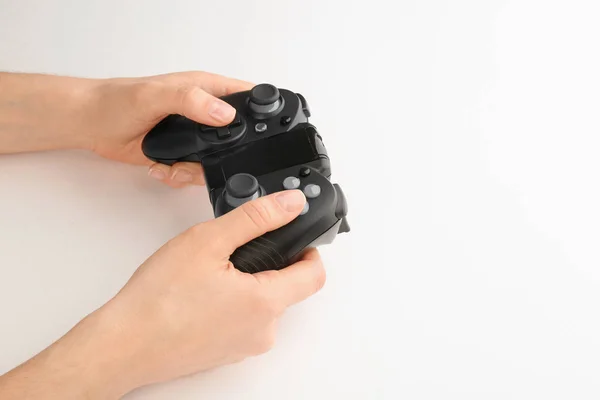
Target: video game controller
[{"x": 270, "y": 146}]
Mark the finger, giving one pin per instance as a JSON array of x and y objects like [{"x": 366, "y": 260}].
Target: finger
[
  {"x": 192, "y": 102},
  {"x": 297, "y": 282},
  {"x": 160, "y": 172},
  {"x": 177, "y": 176},
  {"x": 187, "y": 173},
  {"x": 215, "y": 84},
  {"x": 255, "y": 218}
]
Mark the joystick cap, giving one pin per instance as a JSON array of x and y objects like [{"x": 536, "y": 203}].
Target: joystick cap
[
  {"x": 241, "y": 188},
  {"x": 264, "y": 94},
  {"x": 265, "y": 99}
]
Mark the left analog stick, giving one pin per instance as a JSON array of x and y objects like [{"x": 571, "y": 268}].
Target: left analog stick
[{"x": 265, "y": 100}]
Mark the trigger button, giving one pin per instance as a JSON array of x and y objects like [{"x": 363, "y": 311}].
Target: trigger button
[{"x": 305, "y": 107}]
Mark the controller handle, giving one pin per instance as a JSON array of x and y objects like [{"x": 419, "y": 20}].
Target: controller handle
[
  {"x": 322, "y": 218},
  {"x": 279, "y": 249},
  {"x": 258, "y": 255}
]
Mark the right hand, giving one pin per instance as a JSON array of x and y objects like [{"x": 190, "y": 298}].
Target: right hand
[{"x": 187, "y": 308}]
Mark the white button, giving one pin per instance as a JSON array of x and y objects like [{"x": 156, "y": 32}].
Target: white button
[
  {"x": 260, "y": 127},
  {"x": 311, "y": 191},
  {"x": 291, "y": 182},
  {"x": 305, "y": 209}
]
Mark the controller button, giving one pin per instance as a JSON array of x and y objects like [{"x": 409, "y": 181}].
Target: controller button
[
  {"x": 241, "y": 185},
  {"x": 223, "y": 132},
  {"x": 237, "y": 121},
  {"x": 291, "y": 182},
  {"x": 241, "y": 188},
  {"x": 206, "y": 128},
  {"x": 286, "y": 120},
  {"x": 304, "y": 172},
  {"x": 305, "y": 107},
  {"x": 264, "y": 94},
  {"x": 305, "y": 209},
  {"x": 312, "y": 191},
  {"x": 260, "y": 127}
]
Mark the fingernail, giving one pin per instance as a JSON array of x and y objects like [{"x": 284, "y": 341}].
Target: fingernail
[
  {"x": 291, "y": 200},
  {"x": 182, "y": 176},
  {"x": 157, "y": 174},
  {"x": 221, "y": 111}
]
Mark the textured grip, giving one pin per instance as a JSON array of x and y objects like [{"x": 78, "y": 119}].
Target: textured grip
[{"x": 258, "y": 255}]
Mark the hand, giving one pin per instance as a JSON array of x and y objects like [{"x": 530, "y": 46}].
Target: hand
[
  {"x": 186, "y": 309},
  {"x": 110, "y": 116},
  {"x": 122, "y": 111}
]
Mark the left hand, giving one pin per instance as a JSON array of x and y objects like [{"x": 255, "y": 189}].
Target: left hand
[
  {"x": 110, "y": 116},
  {"x": 122, "y": 111}
]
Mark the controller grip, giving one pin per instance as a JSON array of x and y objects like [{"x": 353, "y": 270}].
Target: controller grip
[{"x": 260, "y": 254}]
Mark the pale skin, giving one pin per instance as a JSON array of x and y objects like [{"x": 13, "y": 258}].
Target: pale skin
[{"x": 186, "y": 309}]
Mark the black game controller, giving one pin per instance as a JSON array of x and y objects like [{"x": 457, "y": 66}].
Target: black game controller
[{"x": 269, "y": 147}]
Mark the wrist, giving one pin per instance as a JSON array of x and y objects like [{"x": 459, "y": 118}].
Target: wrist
[
  {"x": 86, "y": 363},
  {"x": 42, "y": 112},
  {"x": 96, "y": 354}
]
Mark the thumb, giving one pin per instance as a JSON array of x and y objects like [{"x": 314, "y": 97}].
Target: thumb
[
  {"x": 192, "y": 102},
  {"x": 255, "y": 218}
]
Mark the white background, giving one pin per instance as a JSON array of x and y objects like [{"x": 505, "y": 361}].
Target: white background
[{"x": 464, "y": 133}]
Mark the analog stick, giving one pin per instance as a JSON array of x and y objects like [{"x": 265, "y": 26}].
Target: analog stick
[
  {"x": 241, "y": 188},
  {"x": 265, "y": 100}
]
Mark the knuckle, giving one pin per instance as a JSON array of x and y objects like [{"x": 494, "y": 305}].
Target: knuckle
[
  {"x": 186, "y": 96},
  {"x": 263, "y": 306},
  {"x": 197, "y": 230},
  {"x": 200, "y": 234},
  {"x": 184, "y": 92},
  {"x": 266, "y": 339},
  {"x": 204, "y": 237}
]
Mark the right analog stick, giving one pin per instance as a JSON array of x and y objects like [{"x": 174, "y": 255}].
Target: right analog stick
[{"x": 241, "y": 188}]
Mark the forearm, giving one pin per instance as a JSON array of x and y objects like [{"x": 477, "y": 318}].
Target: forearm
[
  {"x": 41, "y": 112},
  {"x": 87, "y": 363}
]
